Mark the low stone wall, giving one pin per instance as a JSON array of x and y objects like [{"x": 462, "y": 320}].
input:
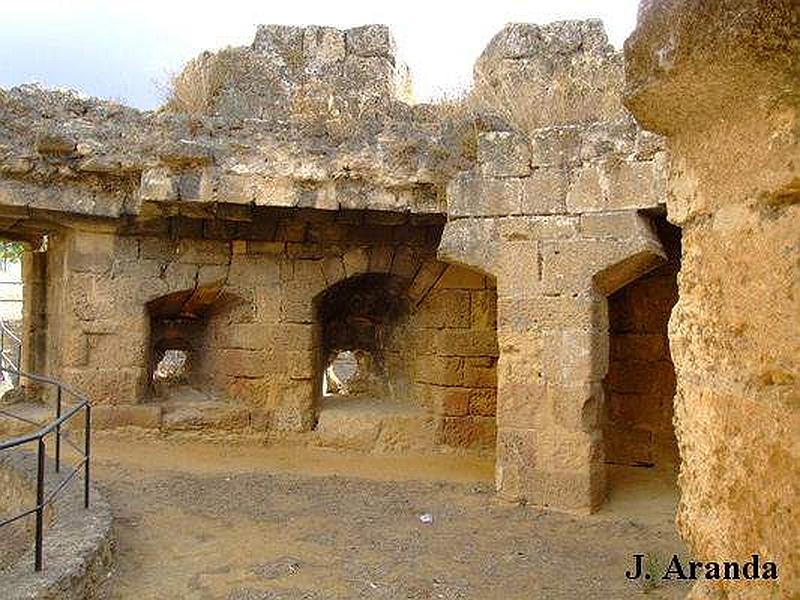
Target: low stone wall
[{"x": 78, "y": 544}]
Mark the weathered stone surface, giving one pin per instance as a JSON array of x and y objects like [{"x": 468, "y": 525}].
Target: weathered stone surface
[
  {"x": 503, "y": 154},
  {"x": 734, "y": 332}
]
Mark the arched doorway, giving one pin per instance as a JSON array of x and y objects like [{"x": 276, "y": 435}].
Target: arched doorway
[{"x": 640, "y": 447}]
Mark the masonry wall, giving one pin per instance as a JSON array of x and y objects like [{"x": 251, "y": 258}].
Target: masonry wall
[
  {"x": 640, "y": 383},
  {"x": 455, "y": 360},
  {"x": 551, "y": 210},
  {"x": 258, "y": 348}
]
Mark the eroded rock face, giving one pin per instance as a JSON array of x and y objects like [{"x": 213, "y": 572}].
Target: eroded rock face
[
  {"x": 721, "y": 82},
  {"x": 304, "y": 117},
  {"x": 557, "y": 74}
]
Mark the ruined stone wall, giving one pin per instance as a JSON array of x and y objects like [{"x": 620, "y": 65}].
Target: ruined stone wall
[
  {"x": 551, "y": 210},
  {"x": 259, "y": 347},
  {"x": 455, "y": 365},
  {"x": 721, "y": 82},
  {"x": 640, "y": 383}
]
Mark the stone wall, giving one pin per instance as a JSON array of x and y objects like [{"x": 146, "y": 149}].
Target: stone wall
[
  {"x": 258, "y": 346},
  {"x": 721, "y": 82},
  {"x": 551, "y": 209},
  {"x": 640, "y": 383}
]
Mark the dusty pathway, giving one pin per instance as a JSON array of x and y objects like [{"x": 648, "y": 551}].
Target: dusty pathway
[{"x": 218, "y": 522}]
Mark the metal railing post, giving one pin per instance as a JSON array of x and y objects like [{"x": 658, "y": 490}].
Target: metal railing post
[
  {"x": 87, "y": 452},
  {"x": 58, "y": 429},
  {"x": 39, "y": 505},
  {"x": 18, "y": 365}
]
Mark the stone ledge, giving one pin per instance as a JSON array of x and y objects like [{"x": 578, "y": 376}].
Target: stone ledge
[{"x": 79, "y": 545}]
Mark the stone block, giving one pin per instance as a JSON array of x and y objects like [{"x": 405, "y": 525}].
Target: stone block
[
  {"x": 480, "y": 372},
  {"x": 470, "y": 242},
  {"x": 205, "y": 415},
  {"x": 483, "y": 310},
  {"x": 470, "y": 195},
  {"x": 242, "y": 362},
  {"x": 568, "y": 490},
  {"x": 183, "y": 153},
  {"x": 127, "y": 415},
  {"x": 475, "y": 433},
  {"x": 294, "y": 336},
  {"x": 54, "y": 142},
  {"x": 454, "y": 402},
  {"x": 444, "y": 309},
  {"x": 522, "y": 361},
  {"x": 322, "y": 47},
  {"x": 440, "y": 370},
  {"x": 107, "y": 386},
  {"x": 371, "y": 40},
  {"x": 575, "y": 355},
  {"x": 90, "y": 297},
  {"x": 556, "y": 146},
  {"x": 522, "y": 405},
  {"x": 159, "y": 185},
  {"x": 517, "y": 266},
  {"x": 427, "y": 276},
  {"x": 461, "y": 278},
  {"x": 461, "y": 342},
  {"x": 537, "y": 312},
  {"x": 251, "y": 392},
  {"x": 380, "y": 259},
  {"x": 272, "y": 191},
  {"x": 347, "y": 430},
  {"x": 544, "y": 192},
  {"x": 356, "y": 261},
  {"x": 91, "y": 252},
  {"x": 405, "y": 262},
  {"x": 406, "y": 433},
  {"x": 515, "y": 229},
  {"x": 235, "y": 189},
  {"x": 260, "y": 247},
  {"x": 244, "y": 336},
  {"x": 516, "y": 461},
  {"x": 576, "y": 407},
  {"x": 483, "y": 402},
  {"x": 618, "y": 224},
  {"x": 371, "y": 75},
  {"x": 503, "y": 154},
  {"x": 634, "y": 185},
  {"x": 333, "y": 270}
]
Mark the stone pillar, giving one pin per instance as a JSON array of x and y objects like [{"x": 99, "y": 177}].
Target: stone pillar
[
  {"x": 34, "y": 307},
  {"x": 99, "y": 325},
  {"x": 550, "y": 209},
  {"x": 553, "y": 273},
  {"x": 721, "y": 81}
]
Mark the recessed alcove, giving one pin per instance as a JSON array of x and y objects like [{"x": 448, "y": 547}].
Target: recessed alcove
[{"x": 639, "y": 437}]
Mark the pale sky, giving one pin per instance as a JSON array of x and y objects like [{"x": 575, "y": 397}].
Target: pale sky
[{"x": 122, "y": 49}]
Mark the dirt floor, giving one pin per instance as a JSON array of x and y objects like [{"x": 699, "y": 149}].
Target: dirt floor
[{"x": 213, "y": 521}]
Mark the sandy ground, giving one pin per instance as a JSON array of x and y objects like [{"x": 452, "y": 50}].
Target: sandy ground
[{"x": 214, "y": 521}]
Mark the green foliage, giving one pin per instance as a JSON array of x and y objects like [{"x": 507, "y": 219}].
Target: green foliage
[{"x": 11, "y": 251}]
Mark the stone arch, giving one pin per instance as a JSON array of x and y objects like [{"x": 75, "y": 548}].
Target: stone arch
[
  {"x": 179, "y": 321},
  {"x": 398, "y": 261},
  {"x": 624, "y": 246},
  {"x": 439, "y": 362},
  {"x": 639, "y": 441}
]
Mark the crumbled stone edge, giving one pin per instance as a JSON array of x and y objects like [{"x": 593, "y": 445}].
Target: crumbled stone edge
[{"x": 79, "y": 544}]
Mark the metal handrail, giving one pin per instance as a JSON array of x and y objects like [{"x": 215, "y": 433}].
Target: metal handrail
[
  {"x": 5, "y": 332},
  {"x": 39, "y": 437}
]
